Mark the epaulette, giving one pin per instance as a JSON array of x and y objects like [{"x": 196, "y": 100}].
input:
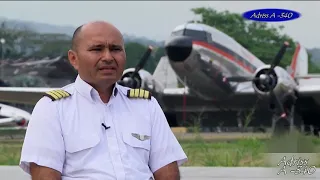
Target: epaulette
[
  {"x": 139, "y": 93},
  {"x": 57, "y": 94}
]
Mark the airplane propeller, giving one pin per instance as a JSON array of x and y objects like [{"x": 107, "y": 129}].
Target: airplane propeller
[
  {"x": 130, "y": 81},
  {"x": 267, "y": 78},
  {"x": 263, "y": 77}
]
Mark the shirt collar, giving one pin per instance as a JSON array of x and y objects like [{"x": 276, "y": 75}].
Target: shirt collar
[{"x": 89, "y": 92}]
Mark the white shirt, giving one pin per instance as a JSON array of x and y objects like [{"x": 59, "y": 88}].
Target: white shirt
[{"x": 67, "y": 135}]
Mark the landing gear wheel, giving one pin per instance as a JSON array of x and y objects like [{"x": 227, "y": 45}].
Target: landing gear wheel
[
  {"x": 283, "y": 125},
  {"x": 311, "y": 125}
]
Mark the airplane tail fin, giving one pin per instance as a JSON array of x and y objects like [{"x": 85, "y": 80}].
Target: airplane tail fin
[{"x": 299, "y": 63}]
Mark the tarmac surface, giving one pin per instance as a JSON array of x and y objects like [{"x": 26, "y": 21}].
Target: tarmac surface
[{"x": 201, "y": 173}]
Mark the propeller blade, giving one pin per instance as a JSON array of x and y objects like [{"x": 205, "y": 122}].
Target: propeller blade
[
  {"x": 129, "y": 81},
  {"x": 283, "y": 112},
  {"x": 142, "y": 62},
  {"x": 279, "y": 56}
]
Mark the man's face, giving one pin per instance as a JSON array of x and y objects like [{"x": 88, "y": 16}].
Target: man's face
[{"x": 100, "y": 56}]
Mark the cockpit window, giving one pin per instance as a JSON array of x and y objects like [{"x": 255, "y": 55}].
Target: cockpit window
[
  {"x": 198, "y": 35},
  {"x": 177, "y": 33}
]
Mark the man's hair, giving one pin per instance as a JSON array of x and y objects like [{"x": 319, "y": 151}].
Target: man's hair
[{"x": 75, "y": 38}]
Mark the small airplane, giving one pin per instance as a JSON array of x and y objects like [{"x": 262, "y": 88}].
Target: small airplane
[
  {"x": 218, "y": 72},
  {"x": 13, "y": 117},
  {"x": 55, "y": 72}
]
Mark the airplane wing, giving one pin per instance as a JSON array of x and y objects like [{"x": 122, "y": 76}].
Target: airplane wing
[
  {"x": 308, "y": 76},
  {"x": 22, "y": 95},
  {"x": 6, "y": 120},
  {"x": 182, "y": 99},
  {"x": 310, "y": 88}
]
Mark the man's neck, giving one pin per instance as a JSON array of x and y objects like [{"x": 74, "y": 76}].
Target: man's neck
[{"x": 105, "y": 92}]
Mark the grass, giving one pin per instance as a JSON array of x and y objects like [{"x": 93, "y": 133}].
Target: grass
[
  {"x": 228, "y": 154},
  {"x": 10, "y": 152},
  {"x": 218, "y": 150},
  {"x": 251, "y": 151}
]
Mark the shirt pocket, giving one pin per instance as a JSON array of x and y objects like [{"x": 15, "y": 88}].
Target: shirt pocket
[
  {"x": 138, "y": 146},
  {"x": 82, "y": 153},
  {"x": 76, "y": 143}
]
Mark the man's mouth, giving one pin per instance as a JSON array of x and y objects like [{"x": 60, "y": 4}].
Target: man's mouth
[{"x": 107, "y": 68}]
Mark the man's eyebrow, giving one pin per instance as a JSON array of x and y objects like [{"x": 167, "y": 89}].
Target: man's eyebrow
[
  {"x": 115, "y": 45},
  {"x": 97, "y": 45},
  {"x": 103, "y": 45}
]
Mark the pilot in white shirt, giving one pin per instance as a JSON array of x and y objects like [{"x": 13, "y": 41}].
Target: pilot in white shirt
[
  {"x": 84, "y": 138},
  {"x": 96, "y": 129}
]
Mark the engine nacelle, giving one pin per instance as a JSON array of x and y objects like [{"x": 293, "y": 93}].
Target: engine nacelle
[
  {"x": 260, "y": 86},
  {"x": 143, "y": 80},
  {"x": 20, "y": 121},
  {"x": 279, "y": 82}
]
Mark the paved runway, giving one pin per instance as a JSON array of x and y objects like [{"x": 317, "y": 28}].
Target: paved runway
[{"x": 198, "y": 173}]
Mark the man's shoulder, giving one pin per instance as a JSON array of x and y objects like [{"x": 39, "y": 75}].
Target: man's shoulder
[
  {"x": 136, "y": 94},
  {"x": 57, "y": 94}
]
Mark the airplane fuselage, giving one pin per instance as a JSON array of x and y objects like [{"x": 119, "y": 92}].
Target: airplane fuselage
[{"x": 214, "y": 56}]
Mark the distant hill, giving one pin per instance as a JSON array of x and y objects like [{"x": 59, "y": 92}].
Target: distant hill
[{"x": 49, "y": 28}]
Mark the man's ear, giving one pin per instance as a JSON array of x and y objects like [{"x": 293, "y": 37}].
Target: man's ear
[{"x": 73, "y": 59}]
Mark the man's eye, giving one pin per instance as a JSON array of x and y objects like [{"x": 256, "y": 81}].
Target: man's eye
[
  {"x": 115, "y": 48},
  {"x": 96, "y": 49}
]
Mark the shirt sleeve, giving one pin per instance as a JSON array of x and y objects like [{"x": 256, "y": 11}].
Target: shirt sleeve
[
  {"x": 43, "y": 143},
  {"x": 165, "y": 148}
]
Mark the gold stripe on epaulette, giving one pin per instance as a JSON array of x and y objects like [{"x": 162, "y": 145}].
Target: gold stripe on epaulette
[
  {"x": 136, "y": 92},
  {"x": 147, "y": 95},
  {"x": 57, "y": 94},
  {"x": 139, "y": 93}
]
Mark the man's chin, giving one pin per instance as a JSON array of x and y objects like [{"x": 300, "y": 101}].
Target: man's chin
[{"x": 108, "y": 78}]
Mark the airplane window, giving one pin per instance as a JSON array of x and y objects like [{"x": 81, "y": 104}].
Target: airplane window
[
  {"x": 252, "y": 67},
  {"x": 209, "y": 37},
  {"x": 198, "y": 35},
  {"x": 177, "y": 33}
]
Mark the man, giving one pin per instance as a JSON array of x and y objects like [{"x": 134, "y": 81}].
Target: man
[{"x": 98, "y": 131}]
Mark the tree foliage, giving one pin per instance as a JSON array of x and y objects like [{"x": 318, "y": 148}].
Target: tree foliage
[{"x": 259, "y": 38}]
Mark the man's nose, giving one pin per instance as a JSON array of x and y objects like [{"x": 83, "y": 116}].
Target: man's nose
[{"x": 108, "y": 55}]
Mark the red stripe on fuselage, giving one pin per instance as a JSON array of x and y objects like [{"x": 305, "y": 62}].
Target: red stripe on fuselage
[
  {"x": 223, "y": 53},
  {"x": 294, "y": 60}
]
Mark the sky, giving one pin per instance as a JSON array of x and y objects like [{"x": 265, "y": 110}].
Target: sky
[{"x": 156, "y": 19}]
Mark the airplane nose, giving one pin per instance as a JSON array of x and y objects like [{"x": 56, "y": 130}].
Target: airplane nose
[{"x": 178, "y": 48}]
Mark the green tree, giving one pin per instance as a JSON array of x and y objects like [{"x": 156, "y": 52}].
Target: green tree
[
  {"x": 312, "y": 67},
  {"x": 13, "y": 38}
]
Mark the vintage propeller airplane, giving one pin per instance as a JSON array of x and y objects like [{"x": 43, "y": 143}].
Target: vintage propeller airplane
[{"x": 218, "y": 73}]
